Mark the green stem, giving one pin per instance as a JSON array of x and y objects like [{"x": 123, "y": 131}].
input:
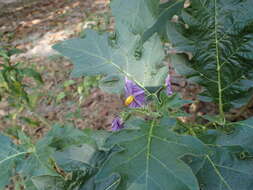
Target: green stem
[
  {"x": 149, "y": 149},
  {"x": 221, "y": 111}
]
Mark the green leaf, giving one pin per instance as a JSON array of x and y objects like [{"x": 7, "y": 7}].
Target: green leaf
[
  {"x": 220, "y": 37},
  {"x": 80, "y": 158},
  {"x": 173, "y": 102},
  {"x": 149, "y": 158},
  {"x": 64, "y": 136},
  {"x": 9, "y": 152},
  {"x": 242, "y": 136},
  {"x": 112, "y": 84},
  {"x": 166, "y": 12},
  {"x": 224, "y": 171},
  {"x": 98, "y": 55},
  {"x": 135, "y": 16},
  {"x": 40, "y": 162},
  {"x": 109, "y": 183},
  {"x": 48, "y": 183},
  {"x": 180, "y": 64},
  {"x": 230, "y": 165}
]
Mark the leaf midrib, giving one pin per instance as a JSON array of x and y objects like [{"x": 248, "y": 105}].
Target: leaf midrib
[{"x": 218, "y": 64}]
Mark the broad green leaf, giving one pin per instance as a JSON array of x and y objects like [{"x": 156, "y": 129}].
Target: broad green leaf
[
  {"x": 9, "y": 152},
  {"x": 63, "y": 136},
  {"x": 98, "y": 54},
  {"x": 134, "y": 16},
  {"x": 83, "y": 163},
  {"x": 80, "y": 158},
  {"x": 109, "y": 183},
  {"x": 230, "y": 165},
  {"x": 149, "y": 158},
  {"x": 242, "y": 136},
  {"x": 219, "y": 35},
  {"x": 48, "y": 183},
  {"x": 166, "y": 11},
  {"x": 40, "y": 162},
  {"x": 224, "y": 171}
]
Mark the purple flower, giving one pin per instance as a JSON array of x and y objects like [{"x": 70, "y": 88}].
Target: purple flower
[
  {"x": 135, "y": 95},
  {"x": 117, "y": 124},
  {"x": 168, "y": 86}
]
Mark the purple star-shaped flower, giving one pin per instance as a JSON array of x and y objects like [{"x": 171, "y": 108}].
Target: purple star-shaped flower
[
  {"x": 168, "y": 86},
  {"x": 135, "y": 95},
  {"x": 117, "y": 124}
]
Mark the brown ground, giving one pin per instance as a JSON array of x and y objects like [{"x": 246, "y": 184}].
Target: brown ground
[{"x": 35, "y": 26}]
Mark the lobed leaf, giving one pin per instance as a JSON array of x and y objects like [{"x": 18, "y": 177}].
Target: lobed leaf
[
  {"x": 97, "y": 54},
  {"x": 149, "y": 158},
  {"x": 229, "y": 166}
]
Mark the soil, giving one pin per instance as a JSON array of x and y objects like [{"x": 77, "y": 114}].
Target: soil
[{"x": 34, "y": 26}]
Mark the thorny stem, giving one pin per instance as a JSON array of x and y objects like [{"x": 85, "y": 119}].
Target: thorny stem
[{"x": 218, "y": 65}]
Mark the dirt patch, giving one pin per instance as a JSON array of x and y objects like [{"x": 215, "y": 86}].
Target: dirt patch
[{"x": 35, "y": 26}]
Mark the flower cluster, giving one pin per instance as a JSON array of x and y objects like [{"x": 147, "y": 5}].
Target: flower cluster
[{"x": 135, "y": 97}]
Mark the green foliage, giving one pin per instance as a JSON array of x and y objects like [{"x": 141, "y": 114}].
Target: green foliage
[
  {"x": 8, "y": 151},
  {"x": 143, "y": 161},
  {"x": 155, "y": 150},
  {"x": 12, "y": 77},
  {"x": 230, "y": 163},
  {"x": 120, "y": 55},
  {"x": 65, "y": 157},
  {"x": 219, "y": 36}
]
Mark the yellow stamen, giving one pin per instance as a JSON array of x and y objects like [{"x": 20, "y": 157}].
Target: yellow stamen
[{"x": 129, "y": 100}]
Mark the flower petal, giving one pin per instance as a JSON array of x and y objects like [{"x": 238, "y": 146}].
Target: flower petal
[
  {"x": 132, "y": 89},
  {"x": 117, "y": 124},
  {"x": 168, "y": 86}
]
